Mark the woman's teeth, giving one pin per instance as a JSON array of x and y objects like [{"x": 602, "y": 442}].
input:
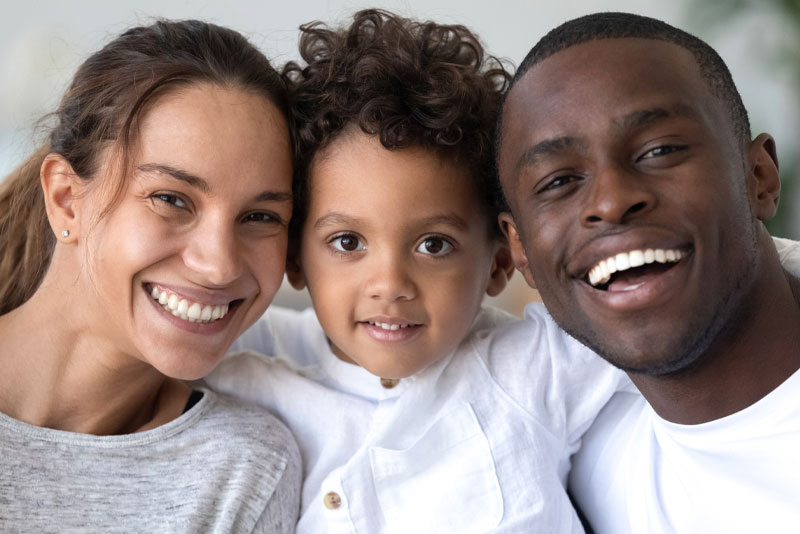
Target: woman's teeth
[
  {"x": 194, "y": 312},
  {"x": 387, "y": 326},
  {"x": 601, "y": 273}
]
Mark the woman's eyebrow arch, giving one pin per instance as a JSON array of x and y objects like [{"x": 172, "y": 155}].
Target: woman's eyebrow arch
[{"x": 178, "y": 174}]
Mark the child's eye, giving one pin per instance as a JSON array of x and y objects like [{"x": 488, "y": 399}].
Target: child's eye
[
  {"x": 347, "y": 243},
  {"x": 169, "y": 198},
  {"x": 435, "y": 246}
]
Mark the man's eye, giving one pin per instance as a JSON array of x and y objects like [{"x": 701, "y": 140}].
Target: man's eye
[
  {"x": 661, "y": 151},
  {"x": 169, "y": 198},
  {"x": 435, "y": 246},
  {"x": 347, "y": 243},
  {"x": 558, "y": 181}
]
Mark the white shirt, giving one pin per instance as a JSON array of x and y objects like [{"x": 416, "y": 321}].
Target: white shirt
[
  {"x": 639, "y": 473},
  {"x": 478, "y": 442}
]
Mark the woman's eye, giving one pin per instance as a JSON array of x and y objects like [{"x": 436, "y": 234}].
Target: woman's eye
[
  {"x": 261, "y": 217},
  {"x": 347, "y": 243},
  {"x": 168, "y": 198},
  {"x": 435, "y": 246}
]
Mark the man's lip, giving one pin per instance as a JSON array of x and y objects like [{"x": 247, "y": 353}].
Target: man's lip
[
  {"x": 652, "y": 293},
  {"x": 604, "y": 247}
]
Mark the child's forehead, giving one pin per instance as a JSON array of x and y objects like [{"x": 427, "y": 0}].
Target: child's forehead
[{"x": 359, "y": 178}]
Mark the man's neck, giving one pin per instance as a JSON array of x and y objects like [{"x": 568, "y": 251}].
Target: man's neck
[{"x": 746, "y": 362}]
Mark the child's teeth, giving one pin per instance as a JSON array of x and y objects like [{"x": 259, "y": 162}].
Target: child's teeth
[{"x": 187, "y": 310}]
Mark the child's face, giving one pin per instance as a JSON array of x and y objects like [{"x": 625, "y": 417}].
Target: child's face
[{"x": 396, "y": 252}]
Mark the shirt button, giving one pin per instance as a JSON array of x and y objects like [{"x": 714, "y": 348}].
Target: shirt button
[
  {"x": 332, "y": 501},
  {"x": 389, "y": 383}
]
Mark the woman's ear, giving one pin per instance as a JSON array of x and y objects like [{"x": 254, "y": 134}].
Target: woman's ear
[
  {"x": 62, "y": 188},
  {"x": 518, "y": 256},
  {"x": 764, "y": 180},
  {"x": 502, "y": 269}
]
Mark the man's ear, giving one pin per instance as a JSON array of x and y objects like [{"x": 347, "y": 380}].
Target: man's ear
[
  {"x": 62, "y": 193},
  {"x": 294, "y": 272},
  {"x": 518, "y": 256},
  {"x": 763, "y": 179},
  {"x": 502, "y": 269}
]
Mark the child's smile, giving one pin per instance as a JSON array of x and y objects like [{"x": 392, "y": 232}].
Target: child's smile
[{"x": 396, "y": 251}]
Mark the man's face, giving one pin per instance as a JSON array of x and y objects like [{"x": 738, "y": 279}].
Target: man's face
[{"x": 616, "y": 157}]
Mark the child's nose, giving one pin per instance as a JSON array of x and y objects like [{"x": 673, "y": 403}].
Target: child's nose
[{"x": 390, "y": 280}]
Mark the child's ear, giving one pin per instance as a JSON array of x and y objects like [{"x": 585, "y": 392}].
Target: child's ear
[
  {"x": 62, "y": 188},
  {"x": 765, "y": 184},
  {"x": 518, "y": 256},
  {"x": 502, "y": 269},
  {"x": 294, "y": 272}
]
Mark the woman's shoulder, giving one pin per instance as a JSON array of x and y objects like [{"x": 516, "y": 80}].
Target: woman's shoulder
[{"x": 241, "y": 425}]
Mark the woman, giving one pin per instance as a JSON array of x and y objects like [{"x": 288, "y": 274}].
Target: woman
[{"x": 135, "y": 248}]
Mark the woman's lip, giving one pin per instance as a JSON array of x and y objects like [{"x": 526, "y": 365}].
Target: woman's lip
[
  {"x": 205, "y": 297},
  {"x": 210, "y": 328}
]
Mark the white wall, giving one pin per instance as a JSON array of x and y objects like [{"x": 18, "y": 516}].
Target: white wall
[{"x": 42, "y": 43}]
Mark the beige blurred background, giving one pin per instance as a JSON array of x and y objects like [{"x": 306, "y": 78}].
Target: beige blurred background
[{"x": 43, "y": 42}]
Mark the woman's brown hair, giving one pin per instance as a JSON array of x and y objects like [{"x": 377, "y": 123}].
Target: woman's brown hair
[{"x": 101, "y": 109}]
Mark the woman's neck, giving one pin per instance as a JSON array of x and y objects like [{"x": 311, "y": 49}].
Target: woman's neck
[{"x": 56, "y": 373}]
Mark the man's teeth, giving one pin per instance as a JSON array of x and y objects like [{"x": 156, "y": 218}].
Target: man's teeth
[
  {"x": 193, "y": 312},
  {"x": 601, "y": 273},
  {"x": 387, "y": 326}
]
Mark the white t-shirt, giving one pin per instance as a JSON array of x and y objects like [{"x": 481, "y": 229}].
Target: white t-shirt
[
  {"x": 477, "y": 442},
  {"x": 639, "y": 473}
]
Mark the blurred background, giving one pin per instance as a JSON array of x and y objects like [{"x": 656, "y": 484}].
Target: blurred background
[{"x": 43, "y": 42}]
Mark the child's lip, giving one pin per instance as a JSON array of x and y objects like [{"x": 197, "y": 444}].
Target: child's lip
[{"x": 383, "y": 320}]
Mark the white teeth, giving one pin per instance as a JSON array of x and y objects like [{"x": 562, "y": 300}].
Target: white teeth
[
  {"x": 601, "y": 273},
  {"x": 387, "y": 326},
  {"x": 187, "y": 310}
]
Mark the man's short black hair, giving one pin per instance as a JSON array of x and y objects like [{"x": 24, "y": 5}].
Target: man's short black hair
[{"x": 626, "y": 25}]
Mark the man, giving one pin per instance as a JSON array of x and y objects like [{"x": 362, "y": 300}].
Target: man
[{"x": 638, "y": 198}]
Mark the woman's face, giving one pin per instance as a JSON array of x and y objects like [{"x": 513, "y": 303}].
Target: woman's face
[{"x": 195, "y": 249}]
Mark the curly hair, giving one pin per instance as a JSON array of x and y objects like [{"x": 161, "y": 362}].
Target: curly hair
[{"x": 408, "y": 82}]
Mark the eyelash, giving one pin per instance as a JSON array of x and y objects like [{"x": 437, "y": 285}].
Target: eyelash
[
  {"x": 177, "y": 202},
  {"x": 342, "y": 251},
  {"x": 170, "y": 199},
  {"x": 669, "y": 149},
  {"x": 448, "y": 246}
]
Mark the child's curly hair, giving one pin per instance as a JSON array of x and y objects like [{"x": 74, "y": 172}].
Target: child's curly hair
[{"x": 410, "y": 83}]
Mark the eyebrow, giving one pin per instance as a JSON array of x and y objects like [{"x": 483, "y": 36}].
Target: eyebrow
[
  {"x": 549, "y": 147},
  {"x": 635, "y": 119},
  {"x": 202, "y": 185},
  {"x": 644, "y": 117},
  {"x": 337, "y": 218},
  {"x": 178, "y": 174}
]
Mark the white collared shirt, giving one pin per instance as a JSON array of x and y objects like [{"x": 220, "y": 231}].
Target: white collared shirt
[{"x": 477, "y": 442}]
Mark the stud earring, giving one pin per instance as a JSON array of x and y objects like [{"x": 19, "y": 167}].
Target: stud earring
[{"x": 64, "y": 233}]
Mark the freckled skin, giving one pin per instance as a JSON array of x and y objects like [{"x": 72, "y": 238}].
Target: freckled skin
[
  {"x": 632, "y": 149},
  {"x": 237, "y": 143}
]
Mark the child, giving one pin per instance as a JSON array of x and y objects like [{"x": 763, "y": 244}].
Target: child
[{"x": 409, "y": 418}]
